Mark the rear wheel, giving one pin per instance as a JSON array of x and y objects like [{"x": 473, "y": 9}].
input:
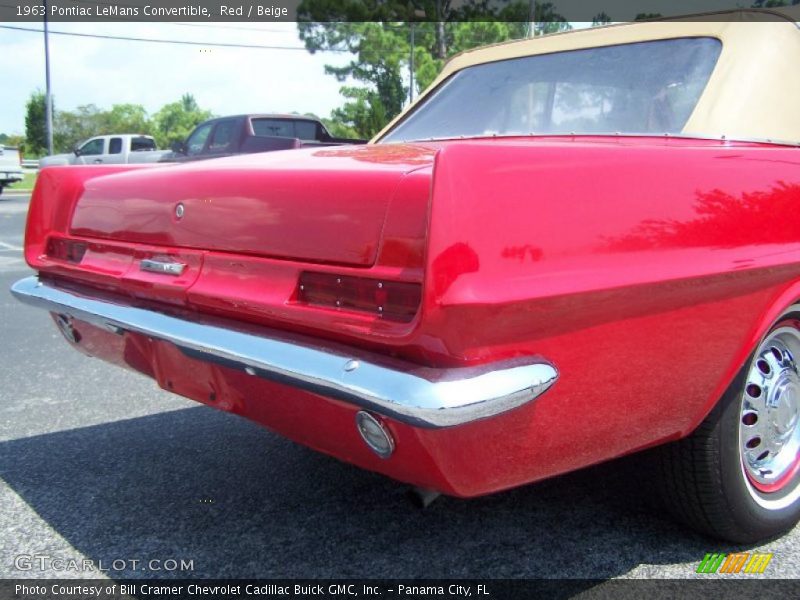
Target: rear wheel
[{"x": 737, "y": 477}]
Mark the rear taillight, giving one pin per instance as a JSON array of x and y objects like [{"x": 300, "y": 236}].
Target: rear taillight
[
  {"x": 67, "y": 250},
  {"x": 394, "y": 300}
]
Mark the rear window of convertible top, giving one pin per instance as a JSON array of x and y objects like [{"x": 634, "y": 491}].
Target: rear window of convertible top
[{"x": 644, "y": 87}]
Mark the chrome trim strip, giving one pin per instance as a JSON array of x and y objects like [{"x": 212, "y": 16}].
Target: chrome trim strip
[
  {"x": 724, "y": 140},
  {"x": 160, "y": 266},
  {"x": 419, "y": 396}
]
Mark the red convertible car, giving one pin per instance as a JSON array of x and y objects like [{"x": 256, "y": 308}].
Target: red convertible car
[{"x": 569, "y": 249}]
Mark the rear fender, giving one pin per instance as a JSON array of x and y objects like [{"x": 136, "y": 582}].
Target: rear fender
[
  {"x": 646, "y": 272},
  {"x": 784, "y": 299}
]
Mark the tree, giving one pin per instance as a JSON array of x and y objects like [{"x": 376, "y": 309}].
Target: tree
[
  {"x": 73, "y": 127},
  {"x": 544, "y": 19},
  {"x": 379, "y": 50},
  {"x": 14, "y": 140},
  {"x": 378, "y": 32},
  {"x": 381, "y": 60},
  {"x": 601, "y": 19},
  {"x": 364, "y": 113},
  {"x": 175, "y": 121},
  {"x": 338, "y": 129},
  {"x": 35, "y": 124},
  {"x": 460, "y": 37},
  {"x": 127, "y": 118}
]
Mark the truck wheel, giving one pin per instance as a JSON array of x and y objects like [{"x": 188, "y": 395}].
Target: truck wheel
[{"x": 737, "y": 477}]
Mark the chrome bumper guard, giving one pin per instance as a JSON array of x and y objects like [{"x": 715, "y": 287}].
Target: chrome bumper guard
[{"x": 420, "y": 396}]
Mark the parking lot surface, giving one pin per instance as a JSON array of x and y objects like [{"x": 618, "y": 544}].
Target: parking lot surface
[{"x": 97, "y": 463}]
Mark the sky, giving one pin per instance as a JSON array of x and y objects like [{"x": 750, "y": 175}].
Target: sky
[{"x": 222, "y": 80}]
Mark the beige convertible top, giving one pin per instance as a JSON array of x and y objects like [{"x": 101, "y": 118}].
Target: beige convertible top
[{"x": 753, "y": 93}]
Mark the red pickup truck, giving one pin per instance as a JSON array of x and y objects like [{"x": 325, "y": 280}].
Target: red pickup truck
[
  {"x": 246, "y": 134},
  {"x": 569, "y": 249}
]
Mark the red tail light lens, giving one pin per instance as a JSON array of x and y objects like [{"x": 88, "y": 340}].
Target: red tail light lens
[
  {"x": 394, "y": 300},
  {"x": 67, "y": 250}
]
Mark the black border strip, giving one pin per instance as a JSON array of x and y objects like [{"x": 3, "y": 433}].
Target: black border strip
[
  {"x": 396, "y": 589},
  {"x": 389, "y": 10}
]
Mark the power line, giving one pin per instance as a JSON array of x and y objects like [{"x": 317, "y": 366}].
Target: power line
[{"x": 161, "y": 41}]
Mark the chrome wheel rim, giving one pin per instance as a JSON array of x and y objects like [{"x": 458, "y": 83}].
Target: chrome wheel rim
[{"x": 769, "y": 429}]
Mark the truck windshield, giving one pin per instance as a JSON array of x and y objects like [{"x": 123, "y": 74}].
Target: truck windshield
[{"x": 646, "y": 87}]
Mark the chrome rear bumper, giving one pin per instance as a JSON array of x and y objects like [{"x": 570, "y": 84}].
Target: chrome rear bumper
[{"x": 419, "y": 396}]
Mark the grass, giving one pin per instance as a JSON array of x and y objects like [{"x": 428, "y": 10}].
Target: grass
[{"x": 25, "y": 185}]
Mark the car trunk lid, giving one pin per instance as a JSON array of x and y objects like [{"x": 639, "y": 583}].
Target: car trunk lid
[{"x": 318, "y": 205}]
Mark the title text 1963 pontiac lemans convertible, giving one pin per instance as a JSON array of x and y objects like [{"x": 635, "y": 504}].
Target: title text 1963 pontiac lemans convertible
[{"x": 567, "y": 250}]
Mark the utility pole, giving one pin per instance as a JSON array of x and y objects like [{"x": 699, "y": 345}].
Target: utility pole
[
  {"x": 411, "y": 67},
  {"x": 48, "y": 98},
  {"x": 441, "y": 42},
  {"x": 413, "y": 16},
  {"x": 532, "y": 18}
]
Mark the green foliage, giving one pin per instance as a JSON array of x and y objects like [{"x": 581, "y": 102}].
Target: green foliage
[
  {"x": 175, "y": 121},
  {"x": 127, "y": 118},
  {"x": 339, "y": 129},
  {"x": 73, "y": 127},
  {"x": 601, "y": 18},
  {"x": 375, "y": 82},
  {"x": 35, "y": 124},
  {"x": 379, "y": 57},
  {"x": 15, "y": 140},
  {"x": 459, "y": 37},
  {"x": 539, "y": 18},
  {"x": 363, "y": 113},
  {"x": 172, "y": 122}
]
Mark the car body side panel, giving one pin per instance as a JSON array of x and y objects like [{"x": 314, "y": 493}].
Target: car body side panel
[{"x": 642, "y": 273}]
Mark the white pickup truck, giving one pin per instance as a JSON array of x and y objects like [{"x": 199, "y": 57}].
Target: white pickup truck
[
  {"x": 109, "y": 149},
  {"x": 10, "y": 166}
]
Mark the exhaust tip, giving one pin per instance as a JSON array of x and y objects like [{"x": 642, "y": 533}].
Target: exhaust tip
[
  {"x": 67, "y": 330},
  {"x": 374, "y": 434}
]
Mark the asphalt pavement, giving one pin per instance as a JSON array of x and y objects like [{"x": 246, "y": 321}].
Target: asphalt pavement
[{"x": 98, "y": 464}]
